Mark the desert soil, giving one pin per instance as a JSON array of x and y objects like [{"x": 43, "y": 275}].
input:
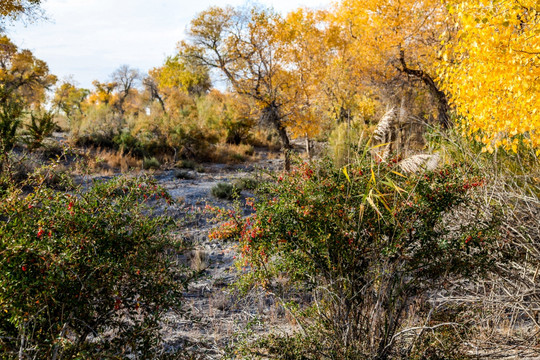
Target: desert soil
[{"x": 216, "y": 316}]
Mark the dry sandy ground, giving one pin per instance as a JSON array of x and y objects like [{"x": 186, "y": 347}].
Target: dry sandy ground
[{"x": 216, "y": 314}]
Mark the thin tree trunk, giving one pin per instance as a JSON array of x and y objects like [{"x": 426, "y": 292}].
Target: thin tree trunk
[
  {"x": 270, "y": 114},
  {"x": 308, "y": 147},
  {"x": 161, "y": 102},
  {"x": 286, "y": 146},
  {"x": 442, "y": 102}
]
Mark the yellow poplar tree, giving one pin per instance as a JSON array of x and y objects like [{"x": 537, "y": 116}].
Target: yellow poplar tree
[
  {"x": 398, "y": 38},
  {"x": 70, "y": 99},
  {"x": 245, "y": 45},
  {"x": 103, "y": 94},
  {"x": 23, "y": 75},
  {"x": 180, "y": 71},
  {"x": 307, "y": 57},
  {"x": 493, "y": 72}
]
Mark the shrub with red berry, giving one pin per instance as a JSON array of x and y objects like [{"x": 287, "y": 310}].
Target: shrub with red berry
[
  {"x": 84, "y": 274},
  {"x": 364, "y": 241}
]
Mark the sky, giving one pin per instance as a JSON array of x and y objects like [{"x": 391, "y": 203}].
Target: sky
[{"x": 88, "y": 39}]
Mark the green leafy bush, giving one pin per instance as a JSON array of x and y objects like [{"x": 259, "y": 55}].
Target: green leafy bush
[
  {"x": 97, "y": 128},
  {"x": 246, "y": 183},
  {"x": 193, "y": 141},
  {"x": 187, "y": 164},
  {"x": 190, "y": 164},
  {"x": 225, "y": 191},
  {"x": 11, "y": 112},
  {"x": 41, "y": 126},
  {"x": 129, "y": 144},
  {"x": 151, "y": 163},
  {"x": 85, "y": 274},
  {"x": 238, "y": 129},
  {"x": 363, "y": 241}
]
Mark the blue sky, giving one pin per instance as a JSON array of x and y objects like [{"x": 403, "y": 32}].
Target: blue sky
[{"x": 89, "y": 39}]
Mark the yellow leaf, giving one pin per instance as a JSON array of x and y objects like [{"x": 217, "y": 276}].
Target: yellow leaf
[
  {"x": 397, "y": 173},
  {"x": 346, "y": 174}
]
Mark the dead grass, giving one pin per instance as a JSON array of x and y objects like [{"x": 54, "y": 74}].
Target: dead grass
[
  {"x": 507, "y": 302},
  {"x": 231, "y": 154},
  {"x": 265, "y": 138},
  {"x": 108, "y": 162},
  {"x": 198, "y": 260}
]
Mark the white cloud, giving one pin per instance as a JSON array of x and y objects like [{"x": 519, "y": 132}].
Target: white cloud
[{"x": 89, "y": 39}]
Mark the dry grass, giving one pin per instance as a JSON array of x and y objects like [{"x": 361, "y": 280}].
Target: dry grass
[
  {"x": 419, "y": 162},
  {"x": 507, "y": 303},
  {"x": 198, "y": 260},
  {"x": 266, "y": 139},
  {"x": 108, "y": 162},
  {"x": 231, "y": 154}
]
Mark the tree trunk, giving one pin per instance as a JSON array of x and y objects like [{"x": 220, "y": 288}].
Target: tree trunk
[
  {"x": 308, "y": 147},
  {"x": 442, "y": 102},
  {"x": 161, "y": 102},
  {"x": 270, "y": 115},
  {"x": 286, "y": 146}
]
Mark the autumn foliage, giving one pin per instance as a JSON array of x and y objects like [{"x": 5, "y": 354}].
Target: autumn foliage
[
  {"x": 491, "y": 72},
  {"x": 355, "y": 248}
]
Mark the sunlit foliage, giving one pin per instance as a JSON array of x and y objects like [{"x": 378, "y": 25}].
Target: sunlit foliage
[
  {"x": 181, "y": 72},
  {"x": 493, "y": 73},
  {"x": 397, "y": 39},
  {"x": 70, "y": 99},
  {"x": 13, "y": 9},
  {"x": 22, "y": 74}
]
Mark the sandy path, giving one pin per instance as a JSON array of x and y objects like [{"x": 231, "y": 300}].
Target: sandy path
[{"x": 216, "y": 315}]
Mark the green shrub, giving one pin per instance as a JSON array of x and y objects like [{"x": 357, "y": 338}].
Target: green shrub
[
  {"x": 41, "y": 126},
  {"x": 102, "y": 141},
  {"x": 238, "y": 129},
  {"x": 344, "y": 140},
  {"x": 127, "y": 143},
  {"x": 193, "y": 142},
  {"x": 363, "y": 241},
  {"x": 151, "y": 163},
  {"x": 85, "y": 274},
  {"x": 17, "y": 169},
  {"x": 190, "y": 164},
  {"x": 51, "y": 150},
  {"x": 246, "y": 183},
  {"x": 11, "y": 111},
  {"x": 225, "y": 191},
  {"x": 98, "y": 127},
  {"x": 187, "y": 164},
  {"x": 513, "y": 172}
]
